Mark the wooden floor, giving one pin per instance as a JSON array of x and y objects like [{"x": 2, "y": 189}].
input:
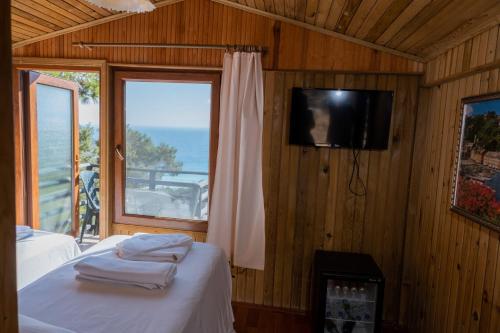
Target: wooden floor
[
  {"x": 255, "y": 319},
  {"x": 260, "y": 319}
]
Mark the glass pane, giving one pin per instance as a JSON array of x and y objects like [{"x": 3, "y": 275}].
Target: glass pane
[
  {"x": 350, "y": 306},
  {"x": 167, "y": 149},
  {"x": 55, "y": 151}
]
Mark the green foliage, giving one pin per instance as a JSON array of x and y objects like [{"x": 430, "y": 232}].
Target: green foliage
[
  {"x": 89, "y": 147},
  {"x": 143, "y": 153},
  {"x": 88, "y": 84},
  {"x": 483, "y": 131}
]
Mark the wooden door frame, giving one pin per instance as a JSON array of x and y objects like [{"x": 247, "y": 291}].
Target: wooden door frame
[
  {"x": 119, "y": 77},
  {"x": 30, "y": 81},
  {"x": 84, "y": 65},
  {"x": 8, "y": 290}
]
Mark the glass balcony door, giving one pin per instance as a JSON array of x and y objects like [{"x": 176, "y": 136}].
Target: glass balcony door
[{"x": 51, "y": 121}]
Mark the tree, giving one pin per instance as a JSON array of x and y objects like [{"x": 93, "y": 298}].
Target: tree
[
  {"x": 89, "y": 147},
  {"x": 141, "y": 150},
  {"x": 483, "y": 131},
  {"x": 88, "y": 84},
  {"x": 143, "y": 153}
]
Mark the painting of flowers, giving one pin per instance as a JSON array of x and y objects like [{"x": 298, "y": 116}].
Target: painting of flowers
[{"x": 477, "y": 179}]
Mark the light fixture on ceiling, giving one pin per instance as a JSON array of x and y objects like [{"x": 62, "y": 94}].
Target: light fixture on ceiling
[{"x": 131, "y": 6}]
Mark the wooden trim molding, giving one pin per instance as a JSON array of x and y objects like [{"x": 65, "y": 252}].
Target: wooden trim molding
[
  {"x": 320, "y": 30},
  {"x": 461, "y": 75},
  {"x": 59, "y": 63},
  {"x": 119, "y": 78},
  {"x": 8, "y": 294},
  {"x": 86, "y": 25}
]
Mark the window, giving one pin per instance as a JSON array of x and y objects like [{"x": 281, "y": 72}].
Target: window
[{"x": 165, "y": 147}]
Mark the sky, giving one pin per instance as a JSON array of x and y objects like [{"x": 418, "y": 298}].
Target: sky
[
  {"x": 486, "y": 106},
  {"x": 160, "y": 104},
  {"x": 88, "y": 113}
]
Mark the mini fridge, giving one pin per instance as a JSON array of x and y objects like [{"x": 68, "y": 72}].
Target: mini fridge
[{"x": 347, "y": 293}]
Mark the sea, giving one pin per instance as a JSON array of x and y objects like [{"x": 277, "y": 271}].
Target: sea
[{"x": 192, "y": 144}]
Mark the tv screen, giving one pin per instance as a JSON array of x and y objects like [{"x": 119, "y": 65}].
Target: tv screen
[{"x": 359, "y": 119}]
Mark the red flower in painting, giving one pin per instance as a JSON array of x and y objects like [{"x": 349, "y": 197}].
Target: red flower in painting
[{"x": 477, "y": 198}]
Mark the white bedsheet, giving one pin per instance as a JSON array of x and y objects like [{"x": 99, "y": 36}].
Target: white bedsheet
[
  {"x": 42, "y": 253},
  {"x": 197, "y": 301}
]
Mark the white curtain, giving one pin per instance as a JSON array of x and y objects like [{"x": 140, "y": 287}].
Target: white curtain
[{"x": 236, "y": 222}]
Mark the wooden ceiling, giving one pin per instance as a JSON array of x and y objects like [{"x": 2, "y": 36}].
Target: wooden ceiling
[
  {"x": 33, "y": 20},
  {"x": 420, "y": 28}
]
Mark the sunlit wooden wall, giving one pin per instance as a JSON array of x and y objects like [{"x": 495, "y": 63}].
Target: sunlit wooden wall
[
  {"x": 451, "y": 280},
  {"x": 205, "y": 22},
  {"x": 308, "y": 205}
]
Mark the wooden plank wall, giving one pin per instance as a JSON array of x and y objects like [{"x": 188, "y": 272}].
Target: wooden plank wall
[
  {"x": 478, "y": 54},
  {"x": 127, "y": 229},
  {"x": 451, "y": 272},
  {"x": 308, "y": 205},
  {"x": 205, "y": 22},
  {"x": 8, "y": 295}
]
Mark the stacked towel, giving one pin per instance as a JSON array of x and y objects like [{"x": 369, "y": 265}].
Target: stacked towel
[
  {"x": 111, "y": 269},
  {"x": 23, "y": 231},
  {"x": 148, "y": 247}
]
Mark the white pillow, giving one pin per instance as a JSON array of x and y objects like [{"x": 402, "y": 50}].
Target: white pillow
[{"x": 31, "y": 325}]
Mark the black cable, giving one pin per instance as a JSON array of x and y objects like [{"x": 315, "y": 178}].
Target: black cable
[{"x": 355, "y": 169}]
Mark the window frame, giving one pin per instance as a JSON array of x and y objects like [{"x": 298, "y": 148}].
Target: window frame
[{"x": 120, "y": 78}]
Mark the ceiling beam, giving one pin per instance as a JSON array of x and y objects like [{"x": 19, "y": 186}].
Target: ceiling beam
[
  {"x": 86, "y": 25},
  {"x": 467, "y": 30},
  {"x": 331, "y": 33}
]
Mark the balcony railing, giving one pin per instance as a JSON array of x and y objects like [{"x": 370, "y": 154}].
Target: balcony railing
[
  {"x": 55, "y": 206},
  {"x": 187, "y": 189}
]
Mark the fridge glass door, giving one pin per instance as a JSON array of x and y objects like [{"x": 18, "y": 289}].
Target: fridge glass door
[{"x": 350, "y": 306}]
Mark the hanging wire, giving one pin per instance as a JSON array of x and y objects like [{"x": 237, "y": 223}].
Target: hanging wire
[{"x": 356, "y": 170}]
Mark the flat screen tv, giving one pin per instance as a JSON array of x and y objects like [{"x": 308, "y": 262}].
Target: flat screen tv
[{"x": 358, "y": 119}]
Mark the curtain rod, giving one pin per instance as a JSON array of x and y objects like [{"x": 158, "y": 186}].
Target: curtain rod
[{"x": 244, "y": 48}]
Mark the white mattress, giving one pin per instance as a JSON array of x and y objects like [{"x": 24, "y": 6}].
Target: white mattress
[
  {"x": 197, "y": 301},
  {"x": 42, "y": 253}
]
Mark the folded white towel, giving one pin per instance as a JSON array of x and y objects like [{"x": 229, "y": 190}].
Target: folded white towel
[
  {"x": 23, "y": 231},
  {"x": 148, "y": 247},
  {"x": 31, "y": 325},
  {"x": 111, "y": 269}
]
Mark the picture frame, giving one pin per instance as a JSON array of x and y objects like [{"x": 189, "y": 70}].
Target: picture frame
[{"x": 476, "y": 181}]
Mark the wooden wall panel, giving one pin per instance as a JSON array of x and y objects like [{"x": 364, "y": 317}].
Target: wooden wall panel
[
  {"x": 8, "y": 295},
  {"x": 451, "y": 271},
  {"x": 205, "y": 22},
  {"x": 480, "y": 53},
  {"x": 308, "y": 204},
  {"x": 127, "y": 229},
  {"x": 307, "y": 201}
]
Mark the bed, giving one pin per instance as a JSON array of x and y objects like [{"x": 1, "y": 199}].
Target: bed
[
  {"x": 41, "y": 253},
  {"x": 197, "y": 301}
]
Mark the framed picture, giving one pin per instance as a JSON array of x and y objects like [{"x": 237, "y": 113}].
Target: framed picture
[{"x": 476, "y": 191}]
